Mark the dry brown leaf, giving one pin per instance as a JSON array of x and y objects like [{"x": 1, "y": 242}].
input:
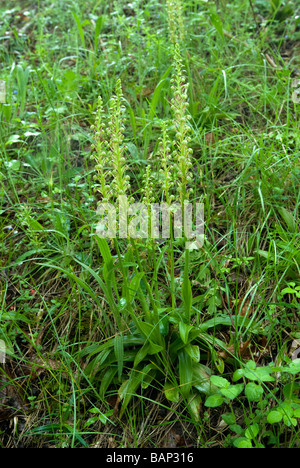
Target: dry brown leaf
[
  {"x": 245, "y": 309},
  {"x": 112, "y": 443},
  {"x": 295, "y": 349},
  {"x": 114, "y": 401},
  {"x": 210, "y": 138},
  {"x": 271, "y": 61},
  {"x": 172, "y": 439},
  {"x": 12, "y": 400},
  {"x": 243, "y": 349},
  {"x": 145, "y": 92}
]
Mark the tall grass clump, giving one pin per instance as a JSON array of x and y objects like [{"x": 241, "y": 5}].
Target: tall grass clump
[
  {"x": 115, "y": 337},
  {"x": 165, "y": 339}
]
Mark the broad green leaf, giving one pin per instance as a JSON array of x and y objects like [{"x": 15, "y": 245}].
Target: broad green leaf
[
  {"x": 287, "y": 291},
  {"x": 201, "y": 379},
  {"x": 80, "y": 28},
  {"x": 294, "y": 367},
  {"x": 156, "y": 94},
  {"x": 194, "y": 405},
  {"x": 14, "y": 316},
  {"x": 286, "y": 409},
  {"x": 291, "y": 390},
  {"x": 119, "y": 353},
  {"x": 261, "y": 374},
  {"x": 184, "y": 331},
  {"x": 104, "y": 249},
  {"x": 108, "y": 274},
  {"x": 253, "y": 391},
  {"x": 242, "y": 443},
  {"x": 134, "y": 152},
  {"x": 214, "y": 400},
  {"x": 213, "y": 303},
  {"x": 104, "y": 417},
  {"x": 142, "y": 353},
  {"x": 129, "y": 387},
  {"x": 107, "y": 379},
  {"x": 250, "y": 365},
  {"x": 195, "y": 333},
  {"x": 91, "y": 421},
  {"x": 95, "y": 364},
  {"x": 236, "y": 428},
  {"x": 134, "y": 285},
  {"x": 288, "y": 421},
  {"x": 252, "y": 372},
  {"x": 13, "y": 139},
  {"x": 233, "y": 391},
  {"x": 228, "y": 418},
  {"x": 187, "y": 296},
  {"x": 185, "y": 372},
  {"x": 13, "y": 165},
  {"x": 274, "y": 417},
  {"x": 217, "y": 23},
  {"x": 252, "y": 431},
  {"x": 147, "y": 379},
  {"x": 155, "y": 348},
  {"x": 171, "y": 392},
  {"x": 219, "y": 363},
  {"x": 219, "y": 382},
  {"x": 193, "y": 351},
  {"x": 150, "y": 332},
  {"x": 164, "y": 325},
  {"x": 145, "y": 328},
  {"x": 222, "y": 320},
  {"x": 28, "y": 134},
  {"x": 99, "y": 24},
  {"x": 288, "y": 218},
  {"x": 95, "y": 348},
  {"x": 238, "y": 374},
  {"x": 6, "y": 109}
]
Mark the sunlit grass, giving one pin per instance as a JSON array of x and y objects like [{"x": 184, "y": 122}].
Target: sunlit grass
[{"x": 76, "y": 312}]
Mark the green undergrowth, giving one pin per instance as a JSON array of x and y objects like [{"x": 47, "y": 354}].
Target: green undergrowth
[{"x": 140, "y": 342}]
